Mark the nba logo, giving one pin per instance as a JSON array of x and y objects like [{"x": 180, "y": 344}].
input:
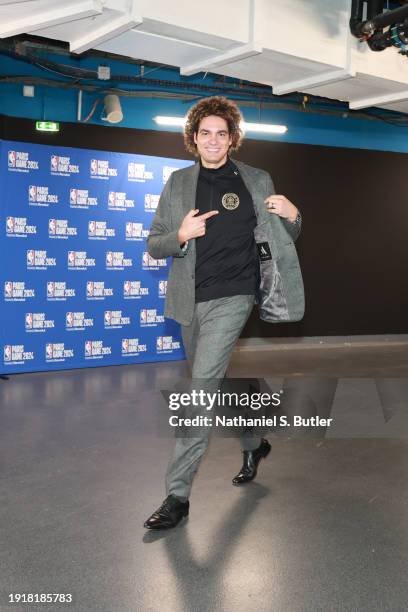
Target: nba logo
[
  {"x": 54, "y": 163},
  {"x": 145, "y": 258},
  {"x": 71, "y": 258},
  {"x": 125, "y": 345},
  {"x": 91, "y": 228},
  {"x": 111, "y": 198},
  {"x": 126, "y": 288},
  {"x": 32, "y": 193},
  {"x": 12, "y": 159},
  {"x": 108, "y": 317},
  {"x": 109, "y": 258},
  {"x": 129, "y": 230},
  {"x": 52, "y": 226},
  {"x": 30, "y": 257},
  {"x": 162, "y": 287},
  {"x": 143, "y": 316},
  {"x": 159, "y": 343},
  {"x": 50, "y": 289},
  {"x": 8, "y": 289},
  {"x": 88, "y": 347},
  {"x": 89, "y": 288},
  {"x": 10, "y": 225},
  {"x": 48, "y": 351},
  {"x": 7, "y": 352},
  {"x": 69, "y": 319},
  {"x": 29, "y": 320},
  {"x": 94, "y": 166},
  {"x": 72, "y": 196}
]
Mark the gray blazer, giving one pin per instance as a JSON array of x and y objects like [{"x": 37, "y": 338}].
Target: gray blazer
[{"x": 281, "y": 294}]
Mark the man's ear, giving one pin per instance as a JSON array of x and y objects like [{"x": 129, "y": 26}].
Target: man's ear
[{"x": 195, "y": 137}]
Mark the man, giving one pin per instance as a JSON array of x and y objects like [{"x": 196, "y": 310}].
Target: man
[{"x": 231, "y": 241}]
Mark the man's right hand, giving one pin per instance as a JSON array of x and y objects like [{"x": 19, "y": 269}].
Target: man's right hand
[{"x": 193, "y": 225}]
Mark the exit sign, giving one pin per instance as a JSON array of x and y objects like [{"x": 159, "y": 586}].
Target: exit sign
[{"x": 47, "y": 126}]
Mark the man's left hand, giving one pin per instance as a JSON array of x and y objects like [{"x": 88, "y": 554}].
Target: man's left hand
[{"x": 280, "y": 205}]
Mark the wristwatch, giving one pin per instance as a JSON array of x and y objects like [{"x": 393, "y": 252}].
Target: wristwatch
[{"x": 298, "y": 219}]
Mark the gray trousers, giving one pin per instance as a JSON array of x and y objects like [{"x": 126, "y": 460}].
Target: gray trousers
[{"x": 208, "y": 342}]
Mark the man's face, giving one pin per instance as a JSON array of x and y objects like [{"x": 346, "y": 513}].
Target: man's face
[{"x": 213, "y": 141}]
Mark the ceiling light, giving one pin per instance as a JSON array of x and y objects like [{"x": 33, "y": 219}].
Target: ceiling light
[
  {"x": 177, "y": 121},
  {"x": 268, "y": 128}
]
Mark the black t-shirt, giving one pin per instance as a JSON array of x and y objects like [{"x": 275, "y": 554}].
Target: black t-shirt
[{"x": 226, "y": 262}]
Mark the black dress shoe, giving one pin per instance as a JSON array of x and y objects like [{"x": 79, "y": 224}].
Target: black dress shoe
[
  {"x": 169, "y": 514},
  {"x": 251, "y": 461}
]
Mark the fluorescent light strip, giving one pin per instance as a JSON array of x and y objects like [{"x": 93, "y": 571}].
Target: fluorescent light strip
[
  {"x": 175, "y": 121},
  {"x": 245, "y": 126},
  {"x": 268, "y": 128}
]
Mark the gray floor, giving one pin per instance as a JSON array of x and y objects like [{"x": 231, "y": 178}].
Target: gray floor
[{"x": 324, "y": 527}]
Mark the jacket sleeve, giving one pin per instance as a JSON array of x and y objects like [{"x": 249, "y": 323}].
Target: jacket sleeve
[
  {"x": 163, "y": 241},
  {"x": 292, "y": 228}
]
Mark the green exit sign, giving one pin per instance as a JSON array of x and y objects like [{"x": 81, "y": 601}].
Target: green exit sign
[{"x": 47, "y": 126}]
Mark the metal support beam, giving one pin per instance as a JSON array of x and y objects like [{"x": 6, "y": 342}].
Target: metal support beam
[
  {"x": 229, "y": 57},
  {"x": 98, "y": 35},
  {"x": 314, "y": 81},
  {"x": 376, "y": 100},
  {"x": 3, "y": 2},
  {"x": 54, "y": 15}
]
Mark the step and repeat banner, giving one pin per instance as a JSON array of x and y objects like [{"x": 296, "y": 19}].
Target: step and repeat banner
[{"x": 79, "y": 288}]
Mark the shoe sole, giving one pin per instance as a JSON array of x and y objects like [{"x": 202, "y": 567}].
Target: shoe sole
[{"x": 151, "y": 528}]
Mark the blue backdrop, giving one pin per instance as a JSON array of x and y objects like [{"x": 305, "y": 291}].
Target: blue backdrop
[{"x": 79, "y": 288}]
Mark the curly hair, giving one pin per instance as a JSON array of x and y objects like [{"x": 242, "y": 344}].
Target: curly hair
[{"x": 221, "y": 107}]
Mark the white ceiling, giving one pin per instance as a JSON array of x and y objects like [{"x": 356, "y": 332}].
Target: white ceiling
[{"x": 294, "y": 45}]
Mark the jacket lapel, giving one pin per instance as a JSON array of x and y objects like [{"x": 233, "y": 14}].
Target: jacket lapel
[
  {"x": 190, "y": 179},
  {"x": 268, "y": 224},
  {"x": 188, "y": 200},
  {"x": 257, "y": 193}
]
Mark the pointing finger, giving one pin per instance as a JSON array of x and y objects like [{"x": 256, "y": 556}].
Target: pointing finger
[{"x": 207, "y": 215}]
